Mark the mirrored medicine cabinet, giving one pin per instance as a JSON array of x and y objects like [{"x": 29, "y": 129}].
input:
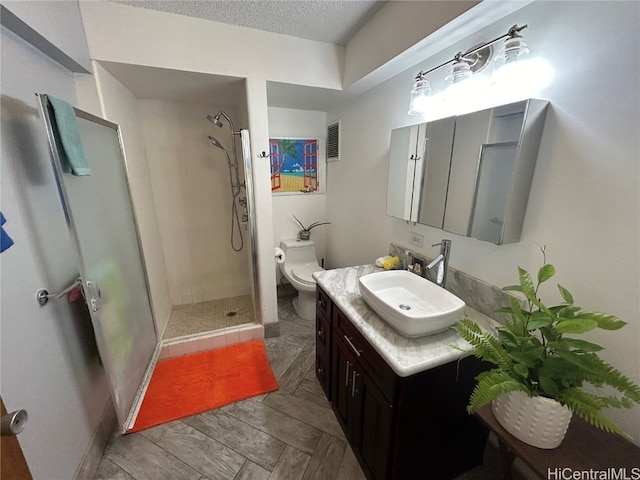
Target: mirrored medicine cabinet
[{"x": 470, "y": 174}]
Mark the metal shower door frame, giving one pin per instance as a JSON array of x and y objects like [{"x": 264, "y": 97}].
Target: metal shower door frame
[{"x": 126, "y": 417}]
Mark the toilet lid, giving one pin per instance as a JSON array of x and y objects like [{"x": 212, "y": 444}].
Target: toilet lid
[{"x": 303, "y": 272}]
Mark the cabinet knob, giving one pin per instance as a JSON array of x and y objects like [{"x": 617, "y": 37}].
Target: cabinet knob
[
  {"x": 321, "y": 334},
  {"x": 320, "y": 371}
]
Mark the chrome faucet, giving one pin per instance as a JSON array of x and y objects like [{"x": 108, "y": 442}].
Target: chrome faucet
[{"x": 442, "y": 261}]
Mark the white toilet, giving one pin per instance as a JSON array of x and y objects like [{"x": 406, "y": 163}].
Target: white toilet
[{"x": 300, "y": 262}]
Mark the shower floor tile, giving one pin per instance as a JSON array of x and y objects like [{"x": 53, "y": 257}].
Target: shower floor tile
[{"x": 208, "y": 316}]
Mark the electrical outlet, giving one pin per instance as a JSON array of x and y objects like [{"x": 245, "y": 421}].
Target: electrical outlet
[{"x": 416, "y": 239}]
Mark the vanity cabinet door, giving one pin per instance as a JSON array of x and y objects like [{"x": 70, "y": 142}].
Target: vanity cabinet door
[
  {"x": 363, "y": 411},
  {"x": 344, "y": 375},
  {"x": 323, "y": 341},
  {"x": 373, "y": 428},
  {"x": 323, "y": 354}
]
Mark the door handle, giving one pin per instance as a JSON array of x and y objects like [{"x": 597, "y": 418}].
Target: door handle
[
  {"x": 346, "y": 375},
  {"x": 352, "y": 345},
  {"x": 94, "y": 289},
  {"x": 353, "y": 384},
  {"x": 94, "y": 294},
  {"x": 13, "y": 423}
]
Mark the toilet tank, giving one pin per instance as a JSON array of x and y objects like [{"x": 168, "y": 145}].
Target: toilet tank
[{"x": 299, "y": 251}]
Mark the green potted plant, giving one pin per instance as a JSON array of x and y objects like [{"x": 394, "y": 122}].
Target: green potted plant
[
  {"x": 540, "y": 365},
  {"x": 305, "y": 233}
]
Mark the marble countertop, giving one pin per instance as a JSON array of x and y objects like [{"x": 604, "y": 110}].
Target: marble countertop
[{"x": 406, "y": 356}]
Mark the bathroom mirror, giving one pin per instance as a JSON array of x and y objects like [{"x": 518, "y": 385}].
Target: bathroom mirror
[
  {"x": 469, "y": 174},
  {"x": 434, "y": 181},
  {"x": 407, "y": 153}
]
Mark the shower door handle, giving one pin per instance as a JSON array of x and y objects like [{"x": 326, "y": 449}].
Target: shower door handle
[{"x": 93, "y": 295}]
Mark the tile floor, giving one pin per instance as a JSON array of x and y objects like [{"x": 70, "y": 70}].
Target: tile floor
[
  {"x": 290, "y": 434},
  {"x": 208, "y": 316}
]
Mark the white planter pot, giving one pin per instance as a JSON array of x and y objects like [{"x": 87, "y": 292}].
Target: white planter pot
[{"x": 538, "y": 421}]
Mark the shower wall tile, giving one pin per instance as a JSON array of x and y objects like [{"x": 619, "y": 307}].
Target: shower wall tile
[
  {"x": 245, "y": 335},
  {"x": 186, "y": 297},
  {"x": 209, "y": 292},
  {"x": 197, "y": 294},
  {"x": 176, "y": 296},
  {"x": 192, "y": 197},
  {"x": 193, "y": 346},
  {"x": 233, "y": 338},
  {"x": 220, "y": 341},
  {"x": 175, "y": 350},
  {"x": 205, "y": 293},
  {"x": 258, "y": 333},
  {"x": 211, "y": 343},
  {"x": 164, "y": 353}
]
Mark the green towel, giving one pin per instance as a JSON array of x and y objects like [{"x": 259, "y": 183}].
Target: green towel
[{"x": 69, "y": 134}]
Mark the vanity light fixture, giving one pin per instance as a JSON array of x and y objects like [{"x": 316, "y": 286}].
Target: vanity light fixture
[
  {"x": 464, "y": 65},
  {"x": 459, "y": 71},
  {"x": 513, "y": 49},
  {"x": 420, "y": 94}
]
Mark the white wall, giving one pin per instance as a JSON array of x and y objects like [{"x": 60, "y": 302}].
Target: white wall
[
  {"x": 48, "y": 357},
  {"x": 584, "y": 203},
  {"x": 396, "y": 27},
  {"x": 262, "y": 217},
  {"x": 192, "y": 195},
  {"x": 59, "y": 22},
  {"x": 140, "y": 36},
  {"x": 118, "y": 105},
  {"x": 309, "y": 208}
]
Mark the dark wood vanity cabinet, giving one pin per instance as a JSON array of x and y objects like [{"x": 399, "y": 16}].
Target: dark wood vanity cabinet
[
  {"x": 398, "y": 427},
  {"x": 364, "y": 412}
]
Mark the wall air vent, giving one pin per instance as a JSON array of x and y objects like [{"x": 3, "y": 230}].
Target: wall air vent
[{"x": 333, "y": 142}]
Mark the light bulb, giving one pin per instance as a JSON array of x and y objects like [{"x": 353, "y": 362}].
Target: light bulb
[{"x": 420, "y": 94}]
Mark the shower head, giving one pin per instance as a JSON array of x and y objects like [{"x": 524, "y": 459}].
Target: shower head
[
  {"x": 215, "y": 142},
  {"x": 215, "y": 120}
]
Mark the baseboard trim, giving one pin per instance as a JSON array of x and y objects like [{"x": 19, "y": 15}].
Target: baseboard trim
[{"x": 93, "y": 455}]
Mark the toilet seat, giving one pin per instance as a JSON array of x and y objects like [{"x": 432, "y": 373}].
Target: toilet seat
[{"x": 303, "y": 273}]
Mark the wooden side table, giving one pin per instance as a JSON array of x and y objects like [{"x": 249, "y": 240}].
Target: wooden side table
[{"x": 585, "y": 448}]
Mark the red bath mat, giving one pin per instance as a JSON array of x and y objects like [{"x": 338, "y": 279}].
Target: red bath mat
[{"x": 192, "y": 384}]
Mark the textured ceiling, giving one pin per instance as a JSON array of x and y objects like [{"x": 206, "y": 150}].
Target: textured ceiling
[{"x": 332, "y": 21}]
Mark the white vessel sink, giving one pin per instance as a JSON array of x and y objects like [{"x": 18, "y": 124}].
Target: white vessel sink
[{"x": 409, "y": 303}]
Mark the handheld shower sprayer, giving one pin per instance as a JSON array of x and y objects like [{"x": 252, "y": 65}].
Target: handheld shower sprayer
[{"x": 215, "y": 142}]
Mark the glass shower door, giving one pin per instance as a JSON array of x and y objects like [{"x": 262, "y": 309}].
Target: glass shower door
[{"x": 102, "y": 226}]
